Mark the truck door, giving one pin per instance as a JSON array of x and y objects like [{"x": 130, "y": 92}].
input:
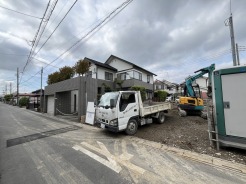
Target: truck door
[{"x": 127, "y": 108}]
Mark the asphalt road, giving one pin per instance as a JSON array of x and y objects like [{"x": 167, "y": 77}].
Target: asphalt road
[{"x": 35, "y": 149}]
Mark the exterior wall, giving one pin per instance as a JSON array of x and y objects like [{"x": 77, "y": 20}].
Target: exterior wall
[
  {"x": 101, "y": 73},
  {"x": 202, "y": 83},
  {"x": 134, "y": 82},
  {"x": 86, "y": 87},
  {"x": 93, "y": 69},
  {"x": 63, "y": 103},
  {"x": 120, "y": 65},
  {"x": 74, "y": 92},
  {"x": 67, "y": 85}
]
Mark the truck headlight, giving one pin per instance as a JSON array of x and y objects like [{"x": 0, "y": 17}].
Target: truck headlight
[{"x": 114, "y": 122}]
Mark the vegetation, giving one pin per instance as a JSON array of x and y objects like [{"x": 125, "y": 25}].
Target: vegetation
[
  {"x": 119, "y": 83},
  {"x": 160, "y": 96},
  {"x": 67, "y": 72},
  {"x": 64, "y": 73},
  {"x": 23, "y": 101},
  {"x": 106, "y": 88},
  {"x": 142, "y": 91},
  {"x": 7, "y": 98},
  {"x": 82, "y": 67}
]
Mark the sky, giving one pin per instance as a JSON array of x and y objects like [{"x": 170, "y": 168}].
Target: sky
[{"x": 171, "y": 38}]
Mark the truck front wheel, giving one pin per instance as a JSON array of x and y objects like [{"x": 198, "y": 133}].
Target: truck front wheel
[
  {"x": 132, "y": 127},
  {"x": 161, "y": 118}
]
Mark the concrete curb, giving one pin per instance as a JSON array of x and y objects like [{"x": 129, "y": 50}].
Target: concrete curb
[{"x": 202, "y": 158}]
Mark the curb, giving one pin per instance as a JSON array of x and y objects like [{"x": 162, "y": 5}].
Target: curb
[{"x": 202, "y": 158}]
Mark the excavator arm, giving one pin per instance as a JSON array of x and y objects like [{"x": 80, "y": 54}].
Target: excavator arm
[{"x": 190, "y": 80}]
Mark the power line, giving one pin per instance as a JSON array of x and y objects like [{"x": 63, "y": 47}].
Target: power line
[
  {"x": 56, "y": 27},
  {"x": 35, "y": 37},
  {"x": 20, "y": 12},
  {"x": 123, "y": 5},
  {"x": 102, "y": 23}
]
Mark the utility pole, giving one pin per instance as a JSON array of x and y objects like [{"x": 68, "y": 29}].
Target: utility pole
[
  {"x": 6, "y": 89},
  {"x": 238, "y": 61},
  {"x": 41, "y": 91},
  {"x": 10, "y": 88},
  {"x": 17, "y": 86},
  {"x": 229, "y": 22}
]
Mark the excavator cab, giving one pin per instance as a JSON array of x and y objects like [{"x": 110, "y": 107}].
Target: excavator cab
[{"x": 191, "y": 101}]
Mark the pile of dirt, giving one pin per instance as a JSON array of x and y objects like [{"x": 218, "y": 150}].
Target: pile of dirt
[{"x": 188, "y": 133}]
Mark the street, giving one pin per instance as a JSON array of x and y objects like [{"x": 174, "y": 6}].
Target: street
[{"x": 35, "y": 149}]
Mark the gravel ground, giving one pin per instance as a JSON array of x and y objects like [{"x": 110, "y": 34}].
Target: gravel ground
[{"x": 188, "y": 133}]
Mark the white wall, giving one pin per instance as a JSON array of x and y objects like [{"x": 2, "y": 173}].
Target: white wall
[
  {"x": 101, "y": 73},
  {"x": 74, "y": 92},
  {"x": 120, "y": 65},
  {"x": 93, "y": 69},
  {"x": 202, "y": 82}
]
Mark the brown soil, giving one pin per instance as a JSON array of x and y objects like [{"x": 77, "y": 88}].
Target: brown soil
[{"x": 188, "y": 133}]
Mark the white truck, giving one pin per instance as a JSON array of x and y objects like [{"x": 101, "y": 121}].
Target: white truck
[{"x": 124, "y": 111}]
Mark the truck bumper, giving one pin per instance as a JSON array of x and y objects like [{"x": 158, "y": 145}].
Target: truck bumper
[{"x": 108, "y": 127}]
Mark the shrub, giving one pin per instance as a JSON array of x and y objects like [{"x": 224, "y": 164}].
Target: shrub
[
  {"x": 23, "y": 101},
  {"x": 160, "y": 95},
  {"x": 142, "y": 91}
]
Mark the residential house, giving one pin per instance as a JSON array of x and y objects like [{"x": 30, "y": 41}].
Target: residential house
[
  {"x": 202, "y": 83},
  {"x": 167, "y": 86},
  {"x": 132, "y": 75},
  {"x": 71, "y": 96}
]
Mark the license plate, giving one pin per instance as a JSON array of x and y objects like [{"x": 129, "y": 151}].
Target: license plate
[{"x": 103, "y": 126}]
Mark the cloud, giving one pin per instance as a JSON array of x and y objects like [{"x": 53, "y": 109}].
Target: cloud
[{"x": 170, "y": 38}]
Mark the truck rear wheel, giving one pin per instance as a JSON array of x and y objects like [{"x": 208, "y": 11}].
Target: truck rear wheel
[
  {"x": 132, "y": 127},
  {"x": 161, "y": 118}
]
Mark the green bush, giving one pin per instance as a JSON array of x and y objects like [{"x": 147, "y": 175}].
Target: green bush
[
  {"x": 160, "y": 95},
  {"x": 23, "y": 101},
  {"x": 142, "y": 91}
]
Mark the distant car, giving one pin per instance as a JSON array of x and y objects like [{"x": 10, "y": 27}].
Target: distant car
[
  {"x": 169, "y": 99},
  {"x": 177, "y": 99}
]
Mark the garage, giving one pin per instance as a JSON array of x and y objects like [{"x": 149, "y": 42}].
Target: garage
[{"x": 50, "y": 105}]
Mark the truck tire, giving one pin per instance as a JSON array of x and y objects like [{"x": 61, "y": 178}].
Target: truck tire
[
  {"x": 161, "y": 118},
  {"x": 132, "y": 127}
]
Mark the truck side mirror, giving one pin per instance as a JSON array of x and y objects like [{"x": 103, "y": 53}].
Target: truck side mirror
[{"x": 112, "y": 103}]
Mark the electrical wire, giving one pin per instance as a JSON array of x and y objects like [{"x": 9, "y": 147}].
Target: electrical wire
[
  {"x": 35, "y": 37},
  {"x": 20, "y": 12},
  {"x": 105, "y": 20},
  {"x": 56, "y": 28},
  {"x": 123, "y": 5}
]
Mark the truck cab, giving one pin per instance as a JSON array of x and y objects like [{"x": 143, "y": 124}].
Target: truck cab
[
  {"x": 116, "y": 108},
  {"x": 124, "y": 111}
]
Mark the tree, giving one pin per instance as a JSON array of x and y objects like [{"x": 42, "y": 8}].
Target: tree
[
  {"x": 53, "y": 78},
  {"x": 8, "y": 97},
  {"x": 66, "y": 72},
  {"x": 119, "y": 83},
  {"x": 142, "y": 91},
  {"x": 82, "y": 67},
  {"x": 160, "y": 95},
  {"x": 23, "y": 101}
]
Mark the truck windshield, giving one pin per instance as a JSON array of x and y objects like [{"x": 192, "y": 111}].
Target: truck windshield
[{"x": 105, "y": 99}]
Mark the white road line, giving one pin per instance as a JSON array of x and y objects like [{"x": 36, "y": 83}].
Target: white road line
[
  {"x": 122, "y": 159},
  {"x": 109, "y": 164}
]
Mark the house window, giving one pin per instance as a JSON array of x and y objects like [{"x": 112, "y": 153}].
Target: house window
[
  {"x": 108, "y": 76},
  {"x": 121, "y": 76},
  {"x": 148, "y": 78},
  {"x": 137, "y": 75}
]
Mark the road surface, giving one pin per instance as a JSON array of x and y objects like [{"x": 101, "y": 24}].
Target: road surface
[{"x": 35, "y": 149}]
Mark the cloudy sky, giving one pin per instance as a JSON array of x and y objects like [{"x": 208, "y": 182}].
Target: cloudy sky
[{"x": 171, "y": 38}]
